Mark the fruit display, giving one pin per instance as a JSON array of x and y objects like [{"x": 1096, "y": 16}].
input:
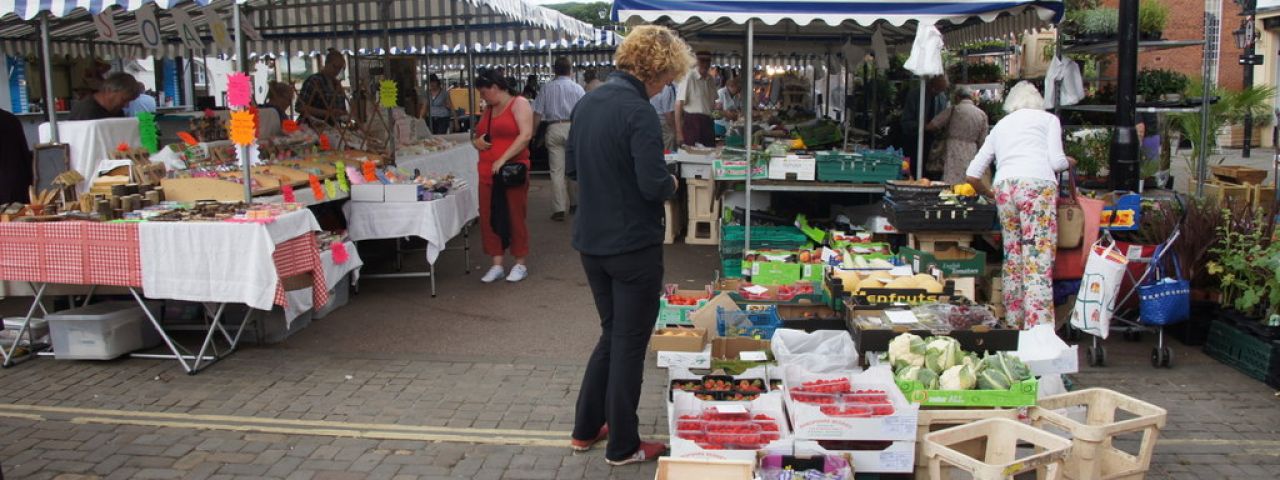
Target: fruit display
[
  {"x": 958, "y": 317},
  {"x": 712, "y": 430},
  {"x": 938, "y": 363},
  {"x": 856, "y": 283},
  {"x": 837, "y": 398},
  {"x": 677, "y": 332}
]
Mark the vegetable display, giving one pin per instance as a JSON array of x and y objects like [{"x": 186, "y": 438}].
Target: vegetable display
[{"x": 938, "y": 363}]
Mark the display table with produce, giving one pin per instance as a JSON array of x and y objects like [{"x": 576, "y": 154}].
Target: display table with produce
[
  {"x": 437, "y": 221},
  {"x": 217, "y": 254},
  {"x": 458, "y": 160}
]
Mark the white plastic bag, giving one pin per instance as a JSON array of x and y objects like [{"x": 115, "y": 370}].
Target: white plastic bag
[
  {"x": 822, "y": 351},
  {"x": 1095, "y": 303}
]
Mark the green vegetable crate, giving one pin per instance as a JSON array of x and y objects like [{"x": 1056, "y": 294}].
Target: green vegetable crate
[
  {"x": 731, "y": 266},
  {"x": 844, "y": 167},
  {"x": 1249, "y": 354},
  {"x": 669, "y": 314},
  {"x": 734, "y": 237},
  {"x": 954, "y": 261},
  {"x": 1021, "y": 394}
]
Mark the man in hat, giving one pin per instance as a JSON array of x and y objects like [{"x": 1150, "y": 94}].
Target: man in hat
[{"x": 695, "y": 100}]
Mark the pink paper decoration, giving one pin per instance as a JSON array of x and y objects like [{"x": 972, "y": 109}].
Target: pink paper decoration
[
  {"x": 287, "y": 191},
  {"x": 340, "y": 254},
  {"x": 354, "y": 177},
  {"x": 238, "y": 90}
]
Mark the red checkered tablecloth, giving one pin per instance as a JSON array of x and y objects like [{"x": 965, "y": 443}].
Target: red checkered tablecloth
[{"x": 92, "y": 253}]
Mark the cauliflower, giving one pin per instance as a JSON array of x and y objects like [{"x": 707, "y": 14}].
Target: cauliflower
[
  {"x": 906, "y": 350},
  {"x": 959, "y": 377},
  {"x": 942, "y": 353},
  {"x": 927, "y": 378}
]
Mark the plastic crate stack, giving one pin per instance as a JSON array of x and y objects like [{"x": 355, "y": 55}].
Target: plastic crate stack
[
  {"x": 733, "y": 240},
  {"x": 918, "y": 208},
  {"x": 868, "y": 166}
]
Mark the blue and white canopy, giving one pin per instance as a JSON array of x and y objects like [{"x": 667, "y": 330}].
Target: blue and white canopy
[
  {"x": 297, "y": 25},
  {"x": 826, "y": 12}
]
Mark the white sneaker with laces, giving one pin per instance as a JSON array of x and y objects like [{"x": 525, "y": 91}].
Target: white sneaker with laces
[
  {"x": 495, "y": 272},
  {"x": 518, "y": 273}
]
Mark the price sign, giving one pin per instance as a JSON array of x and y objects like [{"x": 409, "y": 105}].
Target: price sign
[
  {"x": 148, "y": 27},
  {"x": 221, "y": 35},
  {"x": 105, "y": 23},
  {"x": 188, "y": 31}
]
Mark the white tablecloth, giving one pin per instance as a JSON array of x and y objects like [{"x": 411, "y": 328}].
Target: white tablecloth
[
  {"x": 460, "y": 161},
  {"x": 93, "y": 141},
  {"x": 301, "y": 300},
  {"x": 216, "y": 261},
  {"x": 436, "y": 221}
]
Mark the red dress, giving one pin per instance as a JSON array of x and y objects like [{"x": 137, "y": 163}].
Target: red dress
[{"x": 503, "y": 131}]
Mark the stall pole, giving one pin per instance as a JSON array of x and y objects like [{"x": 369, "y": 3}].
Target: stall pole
[
  {"x": 826, "y": 90},
  {"x": 920, "y": 133},
  {"x": 288, "y": 69},
  {"x": 875, "y": 107},
  {"x": 746, "y": 135},
  {"x": 471, "y": 73},
  {"x": 386, "y": 75},
  {"x": 1124, "y": 148},
  {"x": 188, "y": 81},
  {"x": 246, "y": 164},
  {"x": 48, "y": 79}
]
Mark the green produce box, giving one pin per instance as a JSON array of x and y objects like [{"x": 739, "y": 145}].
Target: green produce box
[
  {"x": 1022, "y": 394},
  {"x": 775, "y": 273},
  {"x": 731, "y": 266},
  {"x": 812, "y": 272},
  {"x": 954, "y": 261},
  {"x": 669, "y": 315},
  {"x": 738, "y": 170}
]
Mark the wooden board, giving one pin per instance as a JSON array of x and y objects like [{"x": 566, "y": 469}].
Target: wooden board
[
  {"x": 681, "y": 468},
  {"x": 194, "y": 189},
  {"x": 326, "y": 169},
  {"x": 285, "y": 174}
]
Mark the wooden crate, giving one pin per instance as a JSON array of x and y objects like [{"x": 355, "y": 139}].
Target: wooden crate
[
  {"x": 1092, "y": 455},
  {"x": 1238, "y": 174},
  {"x": 931, "y": 421},
  {"x": 703, "y": 204},
  {"x": 1263, "y": 198},
  {"x": 683, "y": 468},
  {"x": 703, "y": 232},
  {"x": 1001, "y": 459},
  {"x": 674, "y": 222},
  {"x": 1227, "y": 195}
]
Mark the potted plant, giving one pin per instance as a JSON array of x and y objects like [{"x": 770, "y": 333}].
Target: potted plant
[
  {"x": 1094, "y": 24},
  {"x": 1161, "y": 84},
  {"x": 1246, "y": 264},
  {"x": 1255, "y": 100},
  {"x": 1152, "y": 16},
  {"x": 1091, "y": 148},
  {"x": 1199, "y": 221}
]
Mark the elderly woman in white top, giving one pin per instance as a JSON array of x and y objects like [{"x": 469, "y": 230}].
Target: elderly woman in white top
[{"x": 1027, "y": 148}]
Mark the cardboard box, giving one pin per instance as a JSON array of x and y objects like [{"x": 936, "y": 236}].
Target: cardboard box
[
  {"x": 695, "y": 170},
  {"x": 407, "y": 192},
  {"x": 367, "y": 192},
  {"x": 880, "y": 224},
  {"x": 793, "y": 167},
  {"x": 954, "y": 261},
  {"x": 678, "y": 343},
  {"x": 685, "y": 468},
  {"x": 675, "y": 374},
  {"x": 769, "y": 404},
  {"x": 705, "y": 317},
  {"x": 685, "y": 359},
  {"x": 731, "y": 348},
  {"x": 898, "y": 457},
  {"x": 775, "y": 273},
  {"x": 809, "y": 423}
]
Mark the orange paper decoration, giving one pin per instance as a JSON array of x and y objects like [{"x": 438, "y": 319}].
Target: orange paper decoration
[
  {"x": 316, "y": 189},
  {"x": 187, "y": 138},
  {"x": 122, "y": 147},
  {"x": 242, "y": 130},
  {"x": 289, "y": 126},
  {"x": 370, "y": 171}
]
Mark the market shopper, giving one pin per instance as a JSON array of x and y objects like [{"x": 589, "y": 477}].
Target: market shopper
[
  {"x": 935, "y": 102},
  {"x": 554, "y": 106},
  {"x": 109, "y": 101},
  {"x": 322, "y": 99},
  {"x": 502, "y": 136},
  {"x": 279, "y": 98},
  {"x": 15, "y": 160},
  {"x": 591, "y": 80},
  {"x": 437, "y": 107},
  {"x": 1027, "y": 148},
  {"x": 615, "y": 152},
  {"x": 963, "y": 127},
  {"x": 695, "y": 100},
  {"x": 729, "y": 99},
  {"x": 665, "y": 104}
]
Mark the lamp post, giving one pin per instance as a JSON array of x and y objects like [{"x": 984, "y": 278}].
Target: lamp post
[{"x": 1245, "y": 38}]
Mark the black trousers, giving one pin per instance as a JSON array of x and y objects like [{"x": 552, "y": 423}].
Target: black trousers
[
  {"x": 626, "y": 289},
  {"x": 440, "y": 125}
]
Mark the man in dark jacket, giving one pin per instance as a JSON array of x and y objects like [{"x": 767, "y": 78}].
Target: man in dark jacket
[
  {"x": 615, "y": 152},
  {"x": 15, "y": 160}
]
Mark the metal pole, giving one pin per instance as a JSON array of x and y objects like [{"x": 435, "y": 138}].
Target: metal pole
[
  {"x": 746, "y": 135},
  {"x": 246, "y": 163},
  {"x": 920, "y": 133},
  {"x": 471, "y": 73},
  {"x": 288, "y": 68},
  {"x": 1248, "y": 76},
  {"x": 1202, "y": 167},
  {"x": 1124, "y": 148},
  {"x": 48, "y": 79}
]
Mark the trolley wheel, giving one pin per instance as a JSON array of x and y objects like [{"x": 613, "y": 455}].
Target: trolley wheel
[
  {"x": 1161, "y": 357},
  {"x": 1097, "y": 356},
  {"x": 1133, "y": 335}
]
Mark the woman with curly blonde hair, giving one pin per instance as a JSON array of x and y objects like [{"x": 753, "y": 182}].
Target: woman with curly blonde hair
[{"x": 615, "y": 152}]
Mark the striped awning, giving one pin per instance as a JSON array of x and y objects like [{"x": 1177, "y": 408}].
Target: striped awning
[{"x": 302, "y": 26}]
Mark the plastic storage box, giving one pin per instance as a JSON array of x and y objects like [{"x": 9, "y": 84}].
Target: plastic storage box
[
  {"x": 101, "y": 331},
  {"x": 1107, "y": 415},
  {"x": 1002, "y": 458}
]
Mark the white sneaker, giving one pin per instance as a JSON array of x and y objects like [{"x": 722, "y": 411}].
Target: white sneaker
[
  {"x": 518, "y": 273},
  {"x": 495, "y": 272}
]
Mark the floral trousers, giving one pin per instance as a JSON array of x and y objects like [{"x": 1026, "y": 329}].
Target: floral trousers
[{"x": 1029, "y": 227}]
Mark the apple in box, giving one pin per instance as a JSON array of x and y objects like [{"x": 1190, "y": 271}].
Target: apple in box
[
  {"x": 848, "y": 405},
  {"x": 727, "y": 430}
]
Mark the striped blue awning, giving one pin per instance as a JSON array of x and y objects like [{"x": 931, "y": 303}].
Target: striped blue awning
[{"x": 824, "y": 12}]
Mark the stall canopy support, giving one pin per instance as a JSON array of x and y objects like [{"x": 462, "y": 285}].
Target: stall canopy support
[
  {"x": 921, "y": 120},
  {"x": 242, "y": 66},
  {"x": 1124, "y": 148},
  {"x": 746, "y": 135},
  {"x": 48, "y": 78}
]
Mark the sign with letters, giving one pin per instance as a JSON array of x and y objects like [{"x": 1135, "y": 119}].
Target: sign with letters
[
  {"x": 105, "y": 23},
  {"x": 221, "y": 34},
  {"x": 148, "y": 27},
  {"x": 188, "y": 31}
]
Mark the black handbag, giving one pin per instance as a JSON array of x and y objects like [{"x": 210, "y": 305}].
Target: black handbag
[{"x": 512, "y": 174}]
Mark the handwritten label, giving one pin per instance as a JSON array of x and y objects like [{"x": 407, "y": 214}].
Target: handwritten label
[
  {"x": 900, "y": 425},
  {"x": 896, "y": 461}
]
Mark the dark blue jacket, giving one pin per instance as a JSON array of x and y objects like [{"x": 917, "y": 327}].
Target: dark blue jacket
[{"x": 615, "y": 153}]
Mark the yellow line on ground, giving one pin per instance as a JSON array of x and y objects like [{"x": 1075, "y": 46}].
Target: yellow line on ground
[
  {"x": 1217, "y": 441},
  {"x": 24, "y": 416},
  {"x": 280, "y": 421},
  {"x": 331, "y": 432}
]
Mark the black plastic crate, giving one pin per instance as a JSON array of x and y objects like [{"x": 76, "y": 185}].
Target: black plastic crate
[
  {"x": 911, "y": 193},
  {"x": 941, "y": 217}
]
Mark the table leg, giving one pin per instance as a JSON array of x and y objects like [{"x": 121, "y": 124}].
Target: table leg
[
  {"x": 466, "y": 248},
  {"x": 178, "y": 351},
  {"x": 26, "y": 324}
]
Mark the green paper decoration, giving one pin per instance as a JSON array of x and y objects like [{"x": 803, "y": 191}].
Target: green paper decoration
[
  {"x": 148, "y": 133},
  {"x": 387, "y": 93}
]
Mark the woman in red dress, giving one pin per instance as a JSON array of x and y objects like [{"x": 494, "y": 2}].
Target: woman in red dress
[{"x": 502, "y": 136}]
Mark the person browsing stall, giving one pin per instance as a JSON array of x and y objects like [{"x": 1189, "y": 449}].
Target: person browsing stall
[
  {"x": 279, "y": 98},
  {"x": 437, "y": 107},
  {"x": 729, "y": 99},
  {"x": 1026, "y": 146},
  {"x": 109, "y": 101},
  {"x": 502, "y": 136},
  {"x": 322, "y": 99},
  {"x": 665, "y": 104},
  {"x": 553, "y": 106},
  {"x": 15, "y": 160},
  {"x": 615, "y": 152},
  {"x": 695, "y": 100},
  {"x": 964, "y": 127}
]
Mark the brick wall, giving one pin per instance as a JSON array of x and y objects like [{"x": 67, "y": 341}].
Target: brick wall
[{"x": 1186, "y": 22}]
